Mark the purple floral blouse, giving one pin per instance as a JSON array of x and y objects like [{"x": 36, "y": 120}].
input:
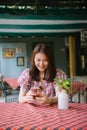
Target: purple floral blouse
[{"x": 25, "y": 82}]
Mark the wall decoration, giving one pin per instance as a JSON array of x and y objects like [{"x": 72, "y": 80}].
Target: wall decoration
[
  {"x": 20, "y": 61},
  {"x": 18, "y": 50},
  {"x": 8, "y": 52}
]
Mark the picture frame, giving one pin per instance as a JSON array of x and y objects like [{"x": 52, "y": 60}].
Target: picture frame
[
  {"x": 20, "y": 61},
  {"x": 8, "y": 52}
]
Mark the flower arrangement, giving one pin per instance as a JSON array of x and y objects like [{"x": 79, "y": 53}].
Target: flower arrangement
[{"x": 63, "y": 84}]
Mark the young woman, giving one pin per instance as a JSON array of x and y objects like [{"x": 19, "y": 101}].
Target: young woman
[{"x": 40, "y": 76}]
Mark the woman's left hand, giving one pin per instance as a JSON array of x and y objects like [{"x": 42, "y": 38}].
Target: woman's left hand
[{"x": 43, "y": 99}]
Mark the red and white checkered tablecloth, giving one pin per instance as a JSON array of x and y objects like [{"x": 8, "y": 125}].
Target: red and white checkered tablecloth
[
  {"x": 78, "y": 86},
  {"x": 18, "y": 116},
  {"x": 12, "y": 82}
]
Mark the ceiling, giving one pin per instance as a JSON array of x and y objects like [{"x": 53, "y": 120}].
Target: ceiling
[
  {"x": 42, "y": 17},
  {"x": 55, "y": 3},
  {"x": 44, "y": 7}
]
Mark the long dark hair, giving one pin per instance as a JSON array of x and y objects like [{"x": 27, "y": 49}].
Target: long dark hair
[{"x": 51, "y": 70}]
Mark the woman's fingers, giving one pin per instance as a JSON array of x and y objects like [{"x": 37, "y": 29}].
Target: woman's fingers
[
  {"x": 39, "y": 96},
  {"x": 42, "y": 99},
  {"x": 29, "y": 99}
]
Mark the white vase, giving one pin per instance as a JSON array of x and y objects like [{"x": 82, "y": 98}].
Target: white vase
[
  {"x": 58, "y": 90},
  {"x": 63, "y": 100}
]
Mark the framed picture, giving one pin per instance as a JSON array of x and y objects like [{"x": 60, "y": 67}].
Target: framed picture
[
  {"x": 8, "y": 52},
  {"x": 19, "y": 50},
  {"x": 20, "y": 61}
]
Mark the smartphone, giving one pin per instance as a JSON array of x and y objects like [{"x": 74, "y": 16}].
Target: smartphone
[{"x": 36, "y": 92}]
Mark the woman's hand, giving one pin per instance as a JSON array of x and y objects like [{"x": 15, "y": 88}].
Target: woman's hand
[
  {"x": 39, "y": 95},
  {"x": 26, "y": 97},
  {"x": 32, "y": 94},
  {"x": 35, "y": 94},
  {"x": 43, "y": 99}
]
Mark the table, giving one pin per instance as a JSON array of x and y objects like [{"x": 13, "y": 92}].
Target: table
[
  {"x": 12, "y": 82},
  {"x": 77, "y": 88},
  {"x": 9, "y": 86},
  {"x": 23, "y": 116}
]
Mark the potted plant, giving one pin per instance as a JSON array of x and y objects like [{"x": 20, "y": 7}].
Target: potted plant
[
  {"x": 63, "y": 89},
  {"x": 63, "y": 84}
]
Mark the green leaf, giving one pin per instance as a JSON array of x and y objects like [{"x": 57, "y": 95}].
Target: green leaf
[{"x": 64, "y": 83}]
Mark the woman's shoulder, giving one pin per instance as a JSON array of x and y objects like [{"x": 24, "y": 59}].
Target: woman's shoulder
[
  {"x": 59, "y": 70},
  {"x": 60, "y": 73},
  {"x": 24, "y": 75},
  {"x": 27, "y": 70}
]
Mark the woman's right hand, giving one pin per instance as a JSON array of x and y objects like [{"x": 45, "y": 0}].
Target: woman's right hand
[
  {"x": 26, "y": 97},
  {"x": 30, "y": 96}
]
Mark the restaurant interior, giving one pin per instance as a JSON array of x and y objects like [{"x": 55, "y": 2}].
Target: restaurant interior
[{"x": 62, "y": 24}]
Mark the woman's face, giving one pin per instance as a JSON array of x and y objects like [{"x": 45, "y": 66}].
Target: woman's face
[{"x": 41, "y": 62}]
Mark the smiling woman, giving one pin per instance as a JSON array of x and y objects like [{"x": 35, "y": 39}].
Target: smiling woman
[{"x": 41, "y": 73}]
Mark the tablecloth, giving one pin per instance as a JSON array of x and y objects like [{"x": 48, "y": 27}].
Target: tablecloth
[
  {"x": 23, "y": 116},
  {"x": 12, "y": 82}
]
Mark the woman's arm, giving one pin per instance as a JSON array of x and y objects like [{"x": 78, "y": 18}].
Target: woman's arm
[
  {"x": 24, "y": 83},
  {"x": 22, "y": 95},
  {"x": 25, "y": 97},
  {"x": 53, "y": 100}
]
